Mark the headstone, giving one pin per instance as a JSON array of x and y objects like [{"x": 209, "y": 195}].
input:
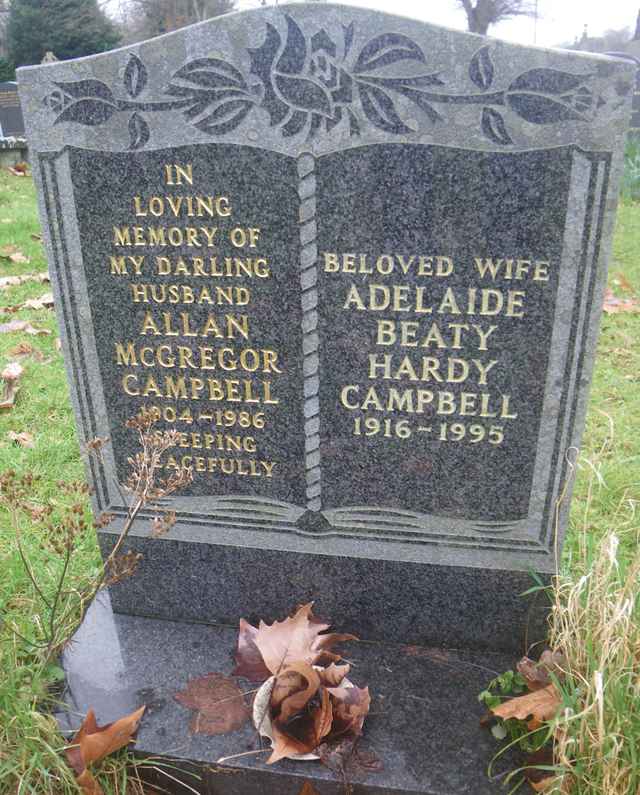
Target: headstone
[
  {"x": 358, "y": 262},
  {"x": 11, "y": 122}
]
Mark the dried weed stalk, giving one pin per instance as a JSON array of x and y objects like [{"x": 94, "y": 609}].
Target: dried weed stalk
[{"x": 63, "y": 527}]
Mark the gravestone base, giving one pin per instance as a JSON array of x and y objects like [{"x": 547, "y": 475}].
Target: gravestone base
[
  {"x": 424, "y": 723},
  {"x": 185, "y": 577}
]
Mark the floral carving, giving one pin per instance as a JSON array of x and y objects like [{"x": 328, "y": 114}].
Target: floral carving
[{"x": 308, "y": 85}]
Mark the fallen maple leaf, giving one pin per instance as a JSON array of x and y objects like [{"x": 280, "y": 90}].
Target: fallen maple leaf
[
  {"x": 297, "y": 638},
  {"x": 249, "y": 662},
  {"x": 93, "y": 743},
  {"x": 334, "y": 674},
  {"x": 218, "y": 701},
  {"x": 24, "y": 438},
  {"x": 303, "y": 734},
  {"x": 292, "y": 690},
  {"x": 538, "y": 706},
  {"x": 350, "y": 708}
]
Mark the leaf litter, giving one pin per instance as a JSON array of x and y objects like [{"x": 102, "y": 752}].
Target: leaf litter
[
  {"x": 9, "y": 378},
  {"x": 93, "y": 743}
]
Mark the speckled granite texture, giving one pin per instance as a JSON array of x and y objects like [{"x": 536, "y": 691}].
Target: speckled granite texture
[
  {"x": 422, "y": 219},
  {"x": 424, "y": 722}
]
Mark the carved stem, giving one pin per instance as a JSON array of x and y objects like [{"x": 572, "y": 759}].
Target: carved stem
[{"x": 310, "y": 341}]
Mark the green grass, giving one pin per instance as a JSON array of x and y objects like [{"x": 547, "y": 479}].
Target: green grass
[{"x": 605, "y": 497}]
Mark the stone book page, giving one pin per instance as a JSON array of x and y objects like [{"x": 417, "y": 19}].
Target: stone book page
[
  {"x": 357, "y": 262},
  {"x": 190, "y": 255}
]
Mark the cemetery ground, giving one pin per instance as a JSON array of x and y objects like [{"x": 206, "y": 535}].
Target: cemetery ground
[{"x": 37, "y": 436}]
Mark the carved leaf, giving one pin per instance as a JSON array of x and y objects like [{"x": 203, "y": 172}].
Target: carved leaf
[
  {"x": 544, "y": 96},
  {"x": 87, "y": 102},
  {"x": 551, "y": 81},
  {"x": 387, "y": 49},
  {"x": 138, "y": 131},
  {"x": 212, "y": 73},
  {"x": 481, "y": 68},
  {"x": 494, "y": 128},
  {"x": 303, "y": 94},
  {"x": 135, "y": 76},
  {"x": 225, "y": 117},
  {"x": 348, "y": 38},
  {"x": 380, "y": 110},
  {"x": 293, "y": 57}
]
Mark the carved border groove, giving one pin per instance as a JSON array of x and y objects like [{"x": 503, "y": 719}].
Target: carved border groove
[{"x": 310, "y": 338}]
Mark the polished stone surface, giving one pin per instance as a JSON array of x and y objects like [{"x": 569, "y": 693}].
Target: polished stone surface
[
  {"x": 337, "y": 132},
  {"x": 378, "y": 600},
  {"x": 424, "y": 720}
]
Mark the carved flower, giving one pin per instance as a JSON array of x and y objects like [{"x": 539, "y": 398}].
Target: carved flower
[
  {"x": 304, "y": 84},
  {"x": 546, "y": 96}
]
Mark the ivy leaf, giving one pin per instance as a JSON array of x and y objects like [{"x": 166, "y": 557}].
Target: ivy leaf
[
  {"x": 138, "y": 131},
  {"x": 380, "y": 110},
  {"x": 481, "y": 68},
  {"x": 135, "y": 76},
  {"x": 387, "y": 49},
  {"x": 494, "y": 128}
]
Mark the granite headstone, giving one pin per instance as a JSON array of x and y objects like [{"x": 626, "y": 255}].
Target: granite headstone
[
  {"x": 11, "y": 121},
  {"x": 358, "y": 262}
]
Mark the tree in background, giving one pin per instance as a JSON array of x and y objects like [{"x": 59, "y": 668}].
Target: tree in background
[
  {"x": 483, "y": 13},
  {"x": 146, "y": 18},
  {"x": 68, "y": 28}
]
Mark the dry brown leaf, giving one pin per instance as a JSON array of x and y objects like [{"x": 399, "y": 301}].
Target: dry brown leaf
[
  {"x": 543, "y": 784},
  {"x": 10, "y": 376},
  {"x": 21, "y": 325},
  {"x": 218, "y": 701},
  {"x": 304, "y": 734},
  {"x": 44, "y": 302},
  {"x": 249, "y": 662},
  {"x": 22, "y": 349},
  {"x": 297, "y": 638},
  {"x": 613, "y": 305},
  {"x": 308, "y": 789},
  {"x": 24, "y": 438},
  {"x": 293, "y": 689},
  {"x": 13, "y": 254},
  {"x": 350, "y": 708},
  {"x": 538, "y": 706},
  {"x": 539, "y": 778},
  {"x": 538, "y": 674},
  {"x": 334, "y": 674},
  {"x": 93, "y": 743}
]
